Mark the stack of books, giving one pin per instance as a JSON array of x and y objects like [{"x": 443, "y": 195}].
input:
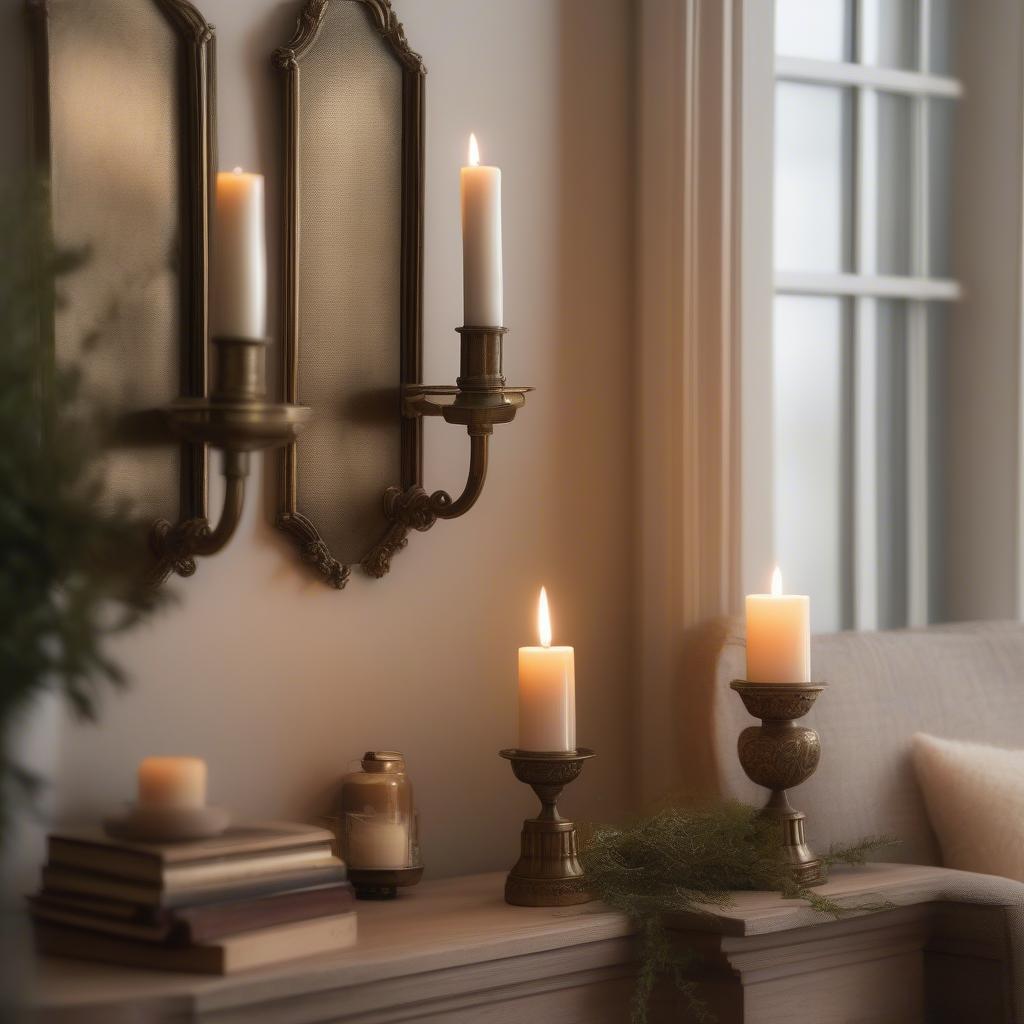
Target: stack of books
[{"x": 256, "y": 895}]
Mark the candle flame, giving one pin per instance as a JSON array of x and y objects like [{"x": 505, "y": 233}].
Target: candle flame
[
  {"x": 474, "y": 151},
  {"x": 237, "y": 170},
  {"x": 777, "y": 582},
  {"x": 543, "y": 619}
]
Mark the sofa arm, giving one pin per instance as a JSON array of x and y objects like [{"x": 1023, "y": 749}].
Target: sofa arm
[{"x": 974, "y": 962}]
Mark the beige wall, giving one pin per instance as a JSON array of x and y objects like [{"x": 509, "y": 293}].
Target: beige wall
[{"x": 280, "y": 682}]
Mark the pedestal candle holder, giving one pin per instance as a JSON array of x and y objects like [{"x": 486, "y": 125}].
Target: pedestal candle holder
[
  {"x": 548, "y": 872},
  {"x": 779, "y": 754}
]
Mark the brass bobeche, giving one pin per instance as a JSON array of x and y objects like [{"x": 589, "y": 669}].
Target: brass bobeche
[
  {"x": 238, "y": 419},
  {"x": 779, "y": 754},
  {"x": 548, "y": 872}
]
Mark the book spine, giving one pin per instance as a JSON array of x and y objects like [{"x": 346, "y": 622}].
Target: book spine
[
  {"x": 153, "y": 869},
  {"x": 205, "y": 924},
  {"x": 191, "y": 875},
  {"x": 59, "y": 880}
]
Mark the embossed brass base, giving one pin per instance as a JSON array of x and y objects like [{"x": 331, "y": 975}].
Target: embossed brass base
[
  {"x": 779, "y": 754},
  {"x": 548, "y": 872}
]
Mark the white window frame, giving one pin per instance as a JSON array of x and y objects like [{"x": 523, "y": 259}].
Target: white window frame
[
  {"x": 704, "y": 291},
  {"x": 864, "y": 283}
]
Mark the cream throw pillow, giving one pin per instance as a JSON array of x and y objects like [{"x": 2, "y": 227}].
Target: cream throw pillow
[{"x": 975, "y": 799}]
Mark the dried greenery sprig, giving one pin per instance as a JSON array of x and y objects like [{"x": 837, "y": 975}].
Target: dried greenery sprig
[
  {"x": 65, "y": 585},
  {"x": 687, "y": 860}
]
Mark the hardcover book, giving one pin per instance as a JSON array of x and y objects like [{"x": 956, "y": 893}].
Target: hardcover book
[
  {"x": 191, "y": 924},
  {"x": 259, "y": 948},
  {"x": 323, "y": 871},
  {"x": 91, "y": 849}
]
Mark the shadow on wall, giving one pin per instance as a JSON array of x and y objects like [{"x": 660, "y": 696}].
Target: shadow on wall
[
  {"x": 695, "y": 694},
  {"x": 594, "y": 445}
]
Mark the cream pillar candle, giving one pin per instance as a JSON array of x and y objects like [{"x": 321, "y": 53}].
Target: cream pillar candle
[
  {"x": 238, "y": 287},
  {"x": 778, "y": 636},
  {"x": 480, "y": 190},
  {"x": 177, "y": 782},
  {"x": 547, "y": 691},
  {"x": 377, "y": 845}
]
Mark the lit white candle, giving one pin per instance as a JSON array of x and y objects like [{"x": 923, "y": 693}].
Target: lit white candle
[
  {"x": 547, "y": 690},
  {"x": 172, "y": 782},
  {"x": 480, "y": 190},
  {"x": 377, "y": 845},
  {"x": 238, "y": 288},
  {"x": 778, "y": 636}
]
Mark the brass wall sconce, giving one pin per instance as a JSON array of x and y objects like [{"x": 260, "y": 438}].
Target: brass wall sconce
[
  {"x": 354, "y": 116},
  {"x": 351, "y": 336},
  {"x": 479, "y": 401},
  {"x": 145, "y": 287},
  {"x": 779, "y": 754},
  {"x": 238, "y": 419}
]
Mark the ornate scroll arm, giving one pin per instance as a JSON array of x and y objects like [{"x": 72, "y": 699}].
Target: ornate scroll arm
[
  {"x": 176, "y": 547},
  {"x": 415, "y": 509},
  {"x": 441, "y": 503},
  {"x": 313, "y": 549}
]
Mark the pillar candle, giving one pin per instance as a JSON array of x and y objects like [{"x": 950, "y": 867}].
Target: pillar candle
[
  {"x": 172, "y": 782},
  {"x": 374, "y": 844},
  {"x": 778, "y": 636},
  {"x": 238, "y": 289},
  {"x": 547, "y": 691},
  {"x": 480, "y": 190}
]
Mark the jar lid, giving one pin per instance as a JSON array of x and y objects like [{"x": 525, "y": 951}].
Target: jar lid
[{"x": 383, "y": 761}]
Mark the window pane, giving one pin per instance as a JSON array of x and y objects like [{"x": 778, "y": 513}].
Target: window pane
[
  {"x": 941, "y": 35},
  {"x": 889, "y": 30},
  {"x": 891, "y": 405},
  {"x": 940, "y": 187},
  {"x": 813, "y": 146},
  {"x": 809, "y": 421},
  {"x": 938, "y": 403},
  {"x": 895, "y": 197},
  {"x": 813, "y": 28}
]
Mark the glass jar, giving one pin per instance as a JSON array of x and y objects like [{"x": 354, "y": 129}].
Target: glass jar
[{"x": 377, "y": 823}]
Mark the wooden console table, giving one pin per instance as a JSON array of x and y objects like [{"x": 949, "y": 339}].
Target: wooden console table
[{"x": 452, "y": 952}]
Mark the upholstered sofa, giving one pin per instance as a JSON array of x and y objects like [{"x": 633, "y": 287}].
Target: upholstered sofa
[{"x": 961, "y": 682}]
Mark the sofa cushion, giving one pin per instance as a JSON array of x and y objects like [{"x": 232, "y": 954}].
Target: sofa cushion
[{"x": 975, "y": 799}]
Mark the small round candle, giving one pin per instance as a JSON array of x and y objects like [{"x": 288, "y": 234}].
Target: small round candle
[
  {"x": 778, "y": 636},
  {"x": 377, "y": 845},
  {"x": 172, "y": 782},
  {"x": 547, "y": 691}
]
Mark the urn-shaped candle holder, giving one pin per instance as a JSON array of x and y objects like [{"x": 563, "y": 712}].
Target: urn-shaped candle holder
[
  {"x": 779, "y": 754},
  {"x": 548, "y": 872}
]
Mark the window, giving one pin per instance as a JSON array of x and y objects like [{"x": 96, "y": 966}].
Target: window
[{"x": 864, "y": 104}]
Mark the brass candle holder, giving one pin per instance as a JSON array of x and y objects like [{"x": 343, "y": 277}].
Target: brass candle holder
[
  {"x": 548, "y": 872},
  {"x": 779, "y": 754}
]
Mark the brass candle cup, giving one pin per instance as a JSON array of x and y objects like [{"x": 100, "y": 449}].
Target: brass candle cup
[
  {"x": 779, "y": 754},
  {"x": 548, "y": 872}
]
